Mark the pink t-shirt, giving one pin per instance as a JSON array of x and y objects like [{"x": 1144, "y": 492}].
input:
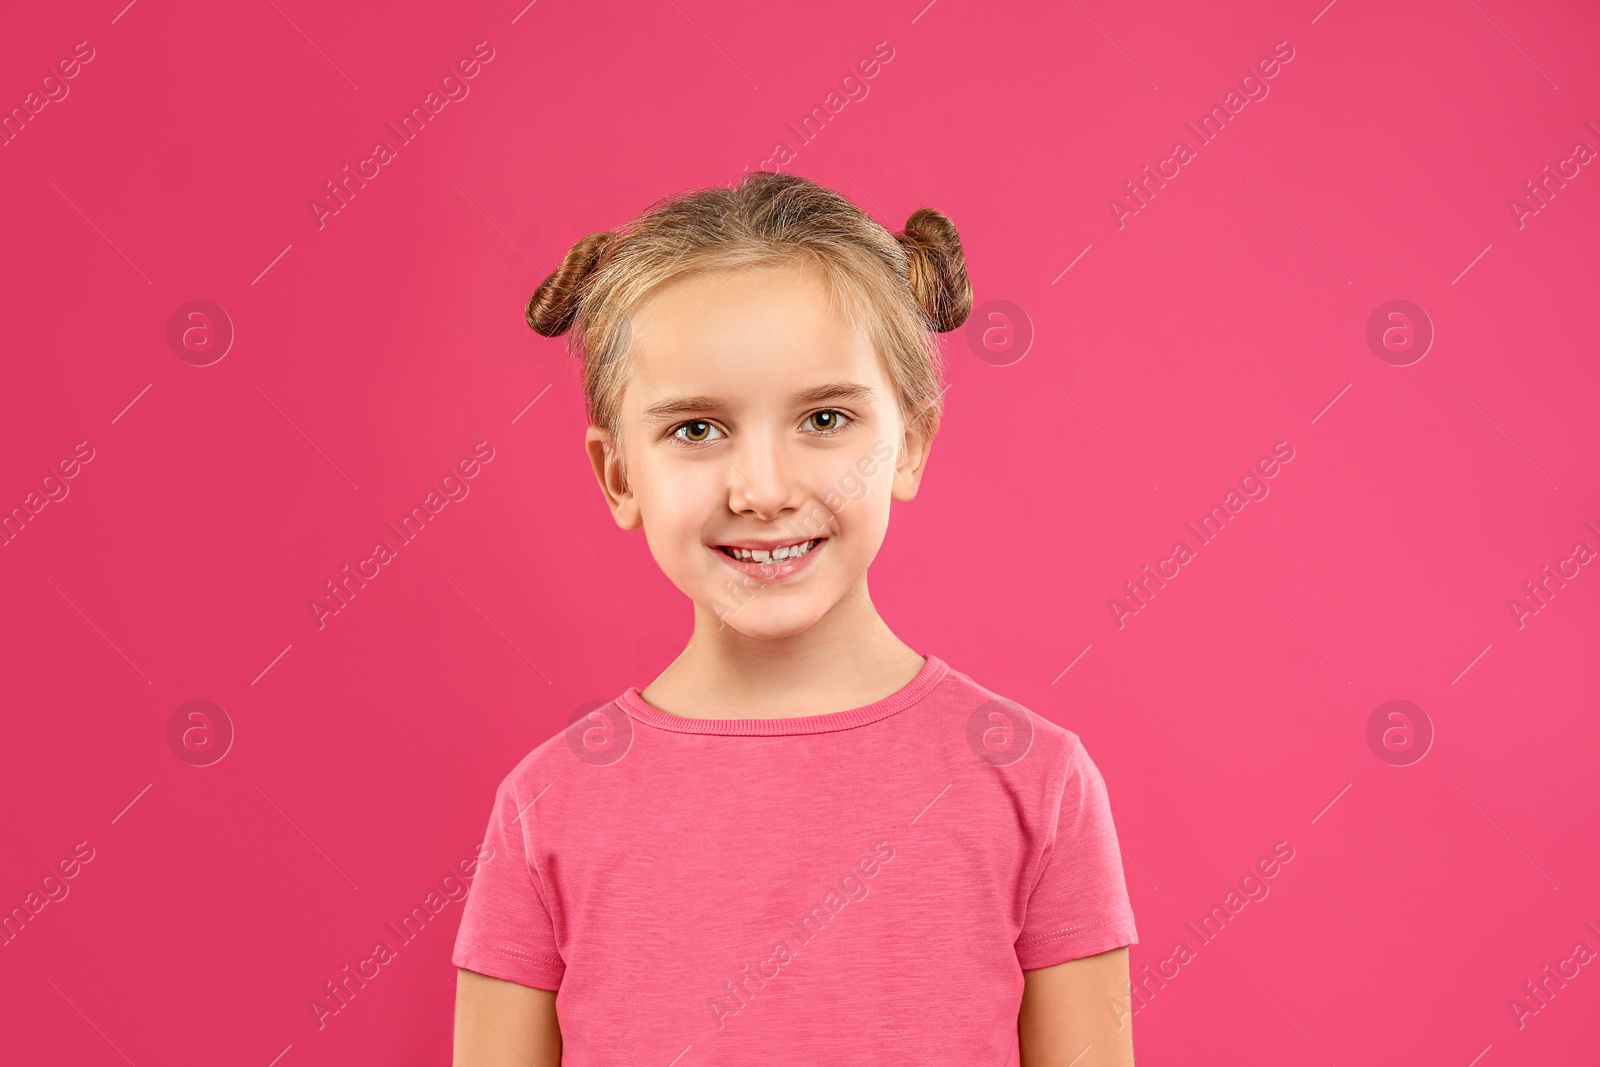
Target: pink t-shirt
[{"x": 856, "y": 887}]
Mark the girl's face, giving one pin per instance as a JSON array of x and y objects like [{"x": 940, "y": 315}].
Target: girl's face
[{"x": 760, "y": 447}]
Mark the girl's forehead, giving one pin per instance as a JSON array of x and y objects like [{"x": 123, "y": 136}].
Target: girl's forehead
[
  {"x": 732, "y": 325},
  {"x": 718, "y": 299},
  {"x": 730, "y": 380}
]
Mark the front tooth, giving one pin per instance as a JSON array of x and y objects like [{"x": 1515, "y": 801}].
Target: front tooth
[{"x": 760, "y": 555}]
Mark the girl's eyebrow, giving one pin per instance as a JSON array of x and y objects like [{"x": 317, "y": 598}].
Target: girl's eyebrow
[
  {"x": 674, "y": 407},
  {"x": 841, "y": 391}
]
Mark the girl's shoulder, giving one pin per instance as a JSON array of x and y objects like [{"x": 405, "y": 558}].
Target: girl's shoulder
[
  {"x": 1001, "y": 730},
  {"x": 596, "y": 736},
  {"x": 962, "y": 689}
]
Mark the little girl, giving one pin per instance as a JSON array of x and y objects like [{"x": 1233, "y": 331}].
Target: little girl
[{"x": 804, "y": 842}]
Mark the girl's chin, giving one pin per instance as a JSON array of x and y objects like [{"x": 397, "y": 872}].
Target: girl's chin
[{"x": 779, "y": 617}]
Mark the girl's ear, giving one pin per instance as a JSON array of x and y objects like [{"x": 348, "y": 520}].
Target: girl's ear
[
  {"x": 606, "y": 459},
  {"x": 910, "y": 464}
]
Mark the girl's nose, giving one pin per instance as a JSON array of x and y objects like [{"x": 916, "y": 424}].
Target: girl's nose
[{"x": 763, "y": 480}]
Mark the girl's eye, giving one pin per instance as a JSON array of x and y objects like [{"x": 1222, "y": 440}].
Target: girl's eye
[
  {"x": 696, "y": 431},
  {"x": 827, "y": 421}
]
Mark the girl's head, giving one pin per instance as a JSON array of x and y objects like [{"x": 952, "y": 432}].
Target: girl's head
[{"x": 761, "y": 368}]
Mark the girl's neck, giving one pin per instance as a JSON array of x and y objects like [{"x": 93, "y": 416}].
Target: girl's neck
[{"x": 850, "y": 658}]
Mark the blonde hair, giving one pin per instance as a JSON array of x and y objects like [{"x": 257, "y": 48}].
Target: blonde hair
[{"x": 906, "y": 288}]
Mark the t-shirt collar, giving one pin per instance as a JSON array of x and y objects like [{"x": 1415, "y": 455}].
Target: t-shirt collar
[{"x": 932, "y": 672}]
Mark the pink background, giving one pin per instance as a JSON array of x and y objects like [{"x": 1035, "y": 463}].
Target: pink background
[{"x": 1230, "y": 713}]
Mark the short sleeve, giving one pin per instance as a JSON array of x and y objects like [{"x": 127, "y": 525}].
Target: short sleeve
[
  {"x": 506, "y": 931},
  {"x": 1079, "y": 903}
]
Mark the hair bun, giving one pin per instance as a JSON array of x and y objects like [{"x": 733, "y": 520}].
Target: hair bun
[
  {"x": 938, "y": 268},
  {"x": 555, "y": 304}
]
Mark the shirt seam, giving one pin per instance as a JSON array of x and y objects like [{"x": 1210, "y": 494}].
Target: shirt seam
[
  {"x": 513, "y": 953},
  {"x": 1072, "y": 931}
]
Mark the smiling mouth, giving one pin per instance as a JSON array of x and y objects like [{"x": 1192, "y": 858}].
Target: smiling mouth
[{"x": 778, "y": 554}]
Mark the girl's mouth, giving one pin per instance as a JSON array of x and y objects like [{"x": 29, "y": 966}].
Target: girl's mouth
[{"x": 772, "y": 562}]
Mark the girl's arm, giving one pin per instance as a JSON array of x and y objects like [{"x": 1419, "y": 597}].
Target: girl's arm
[
  {"x": 503, "y": 1024},
  {"x": 1077, "y": 1009}
]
